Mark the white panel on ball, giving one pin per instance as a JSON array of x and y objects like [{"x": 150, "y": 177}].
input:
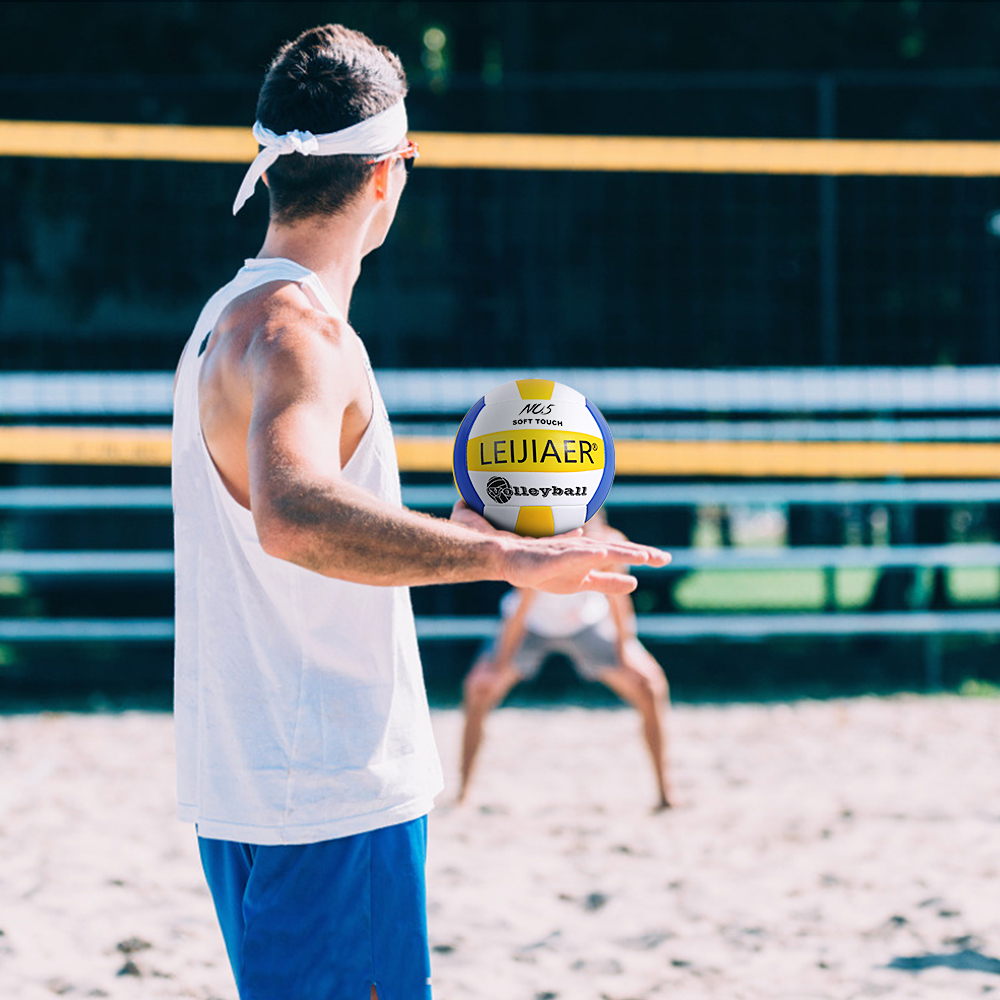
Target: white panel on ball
[{"x": 568, "y": 518}]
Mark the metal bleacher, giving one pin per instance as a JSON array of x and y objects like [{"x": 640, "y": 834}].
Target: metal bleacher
[{"x": 938, "y": 405}]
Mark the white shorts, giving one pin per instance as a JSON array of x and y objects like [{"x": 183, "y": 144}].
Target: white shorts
[{"x": 591, "y": 653}]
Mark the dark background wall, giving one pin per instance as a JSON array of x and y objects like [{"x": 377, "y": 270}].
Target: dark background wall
[
  {"x": 197, "y": 37},
  {"x": 105, "y": 265}
]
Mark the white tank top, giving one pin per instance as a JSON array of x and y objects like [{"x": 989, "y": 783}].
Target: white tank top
[
  {"x": 562, "y": 615},
  {"x": 299, "y": 701}
]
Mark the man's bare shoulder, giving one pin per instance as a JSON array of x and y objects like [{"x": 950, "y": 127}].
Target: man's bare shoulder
[
  {"x": 272, "y": 343},
  {"x": 275, "y": 322}
]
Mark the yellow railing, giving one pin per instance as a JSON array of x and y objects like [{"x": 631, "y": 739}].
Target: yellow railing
[
  {"x": 753, "y": 459},
  {"x": 499, "y": 151}
]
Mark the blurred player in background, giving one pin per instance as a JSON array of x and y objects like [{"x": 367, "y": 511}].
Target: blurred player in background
[{"x": 597, "y": 633}]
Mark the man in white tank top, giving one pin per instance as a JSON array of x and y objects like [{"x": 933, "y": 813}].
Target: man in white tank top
[{"x": 304, "y": 748}]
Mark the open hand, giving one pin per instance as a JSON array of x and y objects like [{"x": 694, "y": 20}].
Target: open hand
[{"x": 568, "y": 563}]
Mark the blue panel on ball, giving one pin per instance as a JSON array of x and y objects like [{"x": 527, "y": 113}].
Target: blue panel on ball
[
  {"x": 459, "y": 460},
  {"x": 604, "y": 487}
]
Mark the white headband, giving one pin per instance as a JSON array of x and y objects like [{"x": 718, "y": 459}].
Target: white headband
[{"x": 375, "y": 135}]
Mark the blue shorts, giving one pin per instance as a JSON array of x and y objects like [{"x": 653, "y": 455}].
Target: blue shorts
[{"x": 325, "y": 921}]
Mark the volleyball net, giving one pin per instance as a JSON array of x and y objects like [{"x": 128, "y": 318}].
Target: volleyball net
[
  {"x": 506, "y": 151},
  {"x": 629, "y": 253},
  {"x": 566, "y": 250}
]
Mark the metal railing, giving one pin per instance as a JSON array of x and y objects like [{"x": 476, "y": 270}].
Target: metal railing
[{"x": 756, "y": 403}]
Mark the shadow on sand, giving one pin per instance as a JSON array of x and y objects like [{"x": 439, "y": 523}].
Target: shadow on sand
[{"x": 966, "y": 960}]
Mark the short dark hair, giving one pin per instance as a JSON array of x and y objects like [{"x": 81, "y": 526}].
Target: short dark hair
[{"x": 328, "y": 78}]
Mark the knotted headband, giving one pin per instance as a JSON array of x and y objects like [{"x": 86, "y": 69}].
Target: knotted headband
[{"x": 375, "y": 135}]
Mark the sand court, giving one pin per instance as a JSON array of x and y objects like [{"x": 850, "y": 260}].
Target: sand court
[{"x": 848, "y": 848}]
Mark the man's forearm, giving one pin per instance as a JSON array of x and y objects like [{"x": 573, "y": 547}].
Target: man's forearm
[{"x": 342, "y": 531}]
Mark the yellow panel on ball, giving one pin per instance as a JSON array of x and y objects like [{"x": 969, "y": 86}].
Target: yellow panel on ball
[{"x": 535, "y": 521}]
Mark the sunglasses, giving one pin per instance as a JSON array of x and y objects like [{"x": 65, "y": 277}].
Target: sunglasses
[{"x": 407, "y": 154}]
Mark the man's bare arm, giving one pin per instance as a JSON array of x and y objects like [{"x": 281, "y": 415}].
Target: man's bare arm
[{"x": 307, "y": 513}]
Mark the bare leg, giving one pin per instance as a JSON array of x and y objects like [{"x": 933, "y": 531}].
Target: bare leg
[
  {"x": 374, "y": 995},
  {"x": 484, "y": 688},
  {"x": 641, "y": 682}
]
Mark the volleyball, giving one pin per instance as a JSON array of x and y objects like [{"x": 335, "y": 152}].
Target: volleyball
[{"x": 534, "y": 457}]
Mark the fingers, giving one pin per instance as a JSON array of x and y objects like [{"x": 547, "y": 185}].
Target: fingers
[
  {"x": 609, "y": 583},
  {"x": 633, "y": 554},
  {"x": 628, "y": 553},
  {"x": 571, "y": 570},
  {"x": 623, "y": 553},
  {"x": 597, "y": 580},
  {"x": 612, "y": 549}
]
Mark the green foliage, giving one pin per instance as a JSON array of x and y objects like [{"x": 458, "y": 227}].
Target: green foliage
[
  {"x": 979, "y": 689},
  {"x": 974, "y": 585},
  {"x": 805, "y": 589}
]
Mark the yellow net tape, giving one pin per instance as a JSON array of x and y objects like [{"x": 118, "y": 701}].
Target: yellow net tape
[
  {"x": 500, "y": 151},
  {"x": 750, "y": 459}
]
